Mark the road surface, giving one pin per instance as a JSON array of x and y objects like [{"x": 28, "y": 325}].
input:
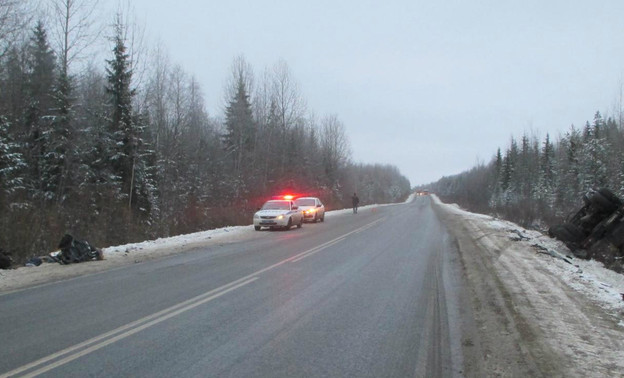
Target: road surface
[{"x": 374, "y": 294}]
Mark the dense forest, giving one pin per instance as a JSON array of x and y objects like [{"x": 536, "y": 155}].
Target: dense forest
[
  {"x": 538, "y": 183},
  {"x": 123, "y": 148}
]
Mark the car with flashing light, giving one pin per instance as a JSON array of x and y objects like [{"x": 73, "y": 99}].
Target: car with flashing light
[
  {"x": 312, "y": 207},
  {"x": 278, "y": 214}
]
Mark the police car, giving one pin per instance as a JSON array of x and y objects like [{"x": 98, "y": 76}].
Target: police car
[{"x": 282, "y": 213}]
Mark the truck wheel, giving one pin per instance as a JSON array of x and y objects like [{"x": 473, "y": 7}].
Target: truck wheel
[
  {"x": 617, "y": 236},
  {"x": 575, "y": 232},
  {"x": 566, "y": 233},
  {"x": 606, "y": 193},
  {"x": 602, "y": 203}
]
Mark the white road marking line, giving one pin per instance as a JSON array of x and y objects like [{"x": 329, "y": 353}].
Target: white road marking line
[
  {"x": 136, "y": 326},
  {"x": 301, "y": 257},
  {"x": 319, "y": 248},
  {"x": 125, "y": 331}
]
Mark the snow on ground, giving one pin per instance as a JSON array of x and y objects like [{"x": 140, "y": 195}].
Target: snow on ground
[
  {"x": 569, "y": 311},
  {"x": 115, "y": 256},
  {"x": 591, "y": 278}
]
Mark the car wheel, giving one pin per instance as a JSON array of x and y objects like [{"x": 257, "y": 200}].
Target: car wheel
[
  {"x": 289, "y": 225},
  {"x": 257, "y": 228},
  {"x": 315, "y": 218},
  {"x": 300, "y": 223},
  {"x": 323, "y": 218}
]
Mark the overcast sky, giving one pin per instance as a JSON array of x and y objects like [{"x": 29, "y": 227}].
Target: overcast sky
[{"x": 432, "y": 87}]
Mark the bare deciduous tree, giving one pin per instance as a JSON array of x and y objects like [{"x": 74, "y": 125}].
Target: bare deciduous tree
[
  {"x": 13, "y": 21},
  {"x": 334, "y": 146},
  {"x": 75, "y": 30},
  {"x": 290, "y": 105}
]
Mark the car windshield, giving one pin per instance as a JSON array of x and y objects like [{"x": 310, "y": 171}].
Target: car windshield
[
  {"x": 305, "y": 202},
  {"x": 276, "y": 205}
]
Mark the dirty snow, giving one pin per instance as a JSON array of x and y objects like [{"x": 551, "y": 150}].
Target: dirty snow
[
  {"x": 590, "y": 278},
  {"x": 572, "y": 309}
]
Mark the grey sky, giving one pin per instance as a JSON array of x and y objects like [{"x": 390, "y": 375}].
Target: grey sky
[{"x": 429, "y": 86}]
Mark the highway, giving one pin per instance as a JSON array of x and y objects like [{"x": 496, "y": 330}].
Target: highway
[{"x": 373, "y": 294}]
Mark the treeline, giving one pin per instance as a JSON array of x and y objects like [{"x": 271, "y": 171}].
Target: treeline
[
  {"x": 539, "y": 182},
  {"x": 91, "y": 150}
]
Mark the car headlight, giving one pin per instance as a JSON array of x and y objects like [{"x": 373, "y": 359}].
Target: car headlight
[{"x": 280, "y": 217}]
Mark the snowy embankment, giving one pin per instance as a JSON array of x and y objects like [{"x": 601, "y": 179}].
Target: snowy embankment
[
  {"x": 567, "y": 312},
  {"x": 590, "y": 278},
  {"x": 120, "y": 255}
]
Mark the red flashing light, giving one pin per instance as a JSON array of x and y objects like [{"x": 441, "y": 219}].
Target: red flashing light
[{"x": 286, "y": 197}]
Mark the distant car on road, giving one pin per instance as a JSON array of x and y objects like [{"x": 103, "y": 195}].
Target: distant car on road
[
  {"x": 278, "y": 214},
  {"x": 313, "y": 208}
]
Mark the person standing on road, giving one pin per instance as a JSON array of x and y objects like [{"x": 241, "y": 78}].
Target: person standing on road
[{"x": 355, "y": 200}]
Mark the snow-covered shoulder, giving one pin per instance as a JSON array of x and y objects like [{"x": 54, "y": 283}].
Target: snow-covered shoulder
[
  {"x": 573, "y": 307},
  {"x": 591, "y": 278}
]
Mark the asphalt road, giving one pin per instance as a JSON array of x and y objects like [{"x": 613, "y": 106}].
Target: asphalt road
[{"x": 373, "y": 294}]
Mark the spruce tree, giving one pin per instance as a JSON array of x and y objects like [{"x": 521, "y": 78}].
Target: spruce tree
[
  {"x": 238, "y": 141},
  {"x": 40, "y": 116},
  {"x": 239, "y": 126},
  {"x": 546, "y": 180},
  {"x": 130, "y": 159},
  {"x": 12, "y": 164},
  {"x": 121, "y": 151}
]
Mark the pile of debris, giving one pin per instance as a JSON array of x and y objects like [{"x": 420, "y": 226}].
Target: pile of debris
[
  {"x": 75, "y": 251},
  {"x": 596, "y": 231}
]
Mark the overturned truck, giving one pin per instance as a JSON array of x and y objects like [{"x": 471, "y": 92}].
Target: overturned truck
[{"x": 596, "y": 230}]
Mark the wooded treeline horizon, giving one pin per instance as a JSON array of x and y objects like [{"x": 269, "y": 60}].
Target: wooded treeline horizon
[
  {"x": 87, "y": 150},
  {"x": 540, "y": 182}
]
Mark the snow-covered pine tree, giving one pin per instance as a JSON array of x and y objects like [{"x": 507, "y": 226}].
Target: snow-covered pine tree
[
  {"x": 573, "y": 171},
  {"x": 13, "y": 81},
  {"x": 510, "y": 175},
  {"x": 547, "y": 174},
  {"x": 12, "y": 165},
  {"x": 122, "y": 151},
  {"x": 238, "y": 139},
  {"x": 497, "y": 184},
  {"x": 44, "y": 174},
  {"x": 593, "y": 157},
  {"x": 239, "y": 126}
]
